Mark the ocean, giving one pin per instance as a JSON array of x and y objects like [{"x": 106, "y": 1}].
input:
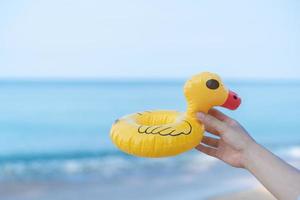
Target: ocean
[{"x": 59, "y": 131}]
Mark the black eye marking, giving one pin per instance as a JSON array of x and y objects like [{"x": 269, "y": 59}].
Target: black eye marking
[{"x": 212, "y": 84}]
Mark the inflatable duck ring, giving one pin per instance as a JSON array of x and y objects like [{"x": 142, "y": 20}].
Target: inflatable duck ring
[{"x": 165, "y": 133}]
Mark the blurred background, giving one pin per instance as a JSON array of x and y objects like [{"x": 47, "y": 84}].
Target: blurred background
[{"x": 68, "y": 69}]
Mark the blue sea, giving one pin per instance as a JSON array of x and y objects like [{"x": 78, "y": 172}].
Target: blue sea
[{"x": 59, "y": 131}]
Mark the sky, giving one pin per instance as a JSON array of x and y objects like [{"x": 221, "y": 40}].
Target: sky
[{"x": 149, "y": 39}]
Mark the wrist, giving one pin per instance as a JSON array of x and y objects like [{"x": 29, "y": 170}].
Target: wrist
[{"x": 248, "y": 154}]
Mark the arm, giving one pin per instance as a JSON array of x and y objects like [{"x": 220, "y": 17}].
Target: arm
[{"x": 235, "y": 147}]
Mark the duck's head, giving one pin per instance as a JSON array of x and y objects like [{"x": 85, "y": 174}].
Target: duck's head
[{"x": 205, "y": 90}]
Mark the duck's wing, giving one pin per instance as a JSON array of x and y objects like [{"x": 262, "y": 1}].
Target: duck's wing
[{"x": 176, "y": 129}]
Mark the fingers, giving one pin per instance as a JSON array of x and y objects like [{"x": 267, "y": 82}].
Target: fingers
[
  {"x": 219, "y": 115},
  {"x": 207, "y": 150},
  {"x": 211, "y": 123},
  {"x": 213, "y": 142},
  {"x": 212, "y": 130}
]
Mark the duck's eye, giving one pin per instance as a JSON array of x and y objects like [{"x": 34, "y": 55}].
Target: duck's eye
[{"x": 212, "y": 84}]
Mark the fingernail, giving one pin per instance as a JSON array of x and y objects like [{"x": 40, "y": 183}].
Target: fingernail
[{"x": 200, "y": 115}]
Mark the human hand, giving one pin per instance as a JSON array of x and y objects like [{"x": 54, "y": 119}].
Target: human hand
[
  {"x": 232, "y": 140},
  {"x": 234, "y": 146}
]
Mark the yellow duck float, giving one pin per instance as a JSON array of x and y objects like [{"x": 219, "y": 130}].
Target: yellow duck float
[{"x": 165, "y": 133}]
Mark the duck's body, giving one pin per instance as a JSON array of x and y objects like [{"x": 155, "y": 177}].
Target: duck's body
[
  {"x": 164, "y": 133},
  {"x": 160, "y": 133}
]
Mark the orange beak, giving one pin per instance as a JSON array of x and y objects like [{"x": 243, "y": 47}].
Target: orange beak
[{"x": 233, "y": 101}]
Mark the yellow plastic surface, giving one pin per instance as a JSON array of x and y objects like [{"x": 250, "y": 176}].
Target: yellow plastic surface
[{"x": 164, "y": 133}]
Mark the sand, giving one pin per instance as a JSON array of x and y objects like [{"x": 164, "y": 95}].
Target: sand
[
  {"x": 79, "y": 191},
  {"x": 251, "y": 194}
]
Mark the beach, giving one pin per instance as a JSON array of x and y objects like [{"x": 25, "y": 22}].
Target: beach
[
  {"x": 132, "y": 189},
  {"x": 251, "y": 194},
  {"x": 88, "y": 87},
  {"x": 95, "y": 190},
  {"x": 54, "y": 142},
  {"x": 61, "y": 191},
  {"x": 184, "y": 177},
  {"x": 215, "y": 181}
]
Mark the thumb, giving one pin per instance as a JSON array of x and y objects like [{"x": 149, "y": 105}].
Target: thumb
[{"x": 211, "y": 122}]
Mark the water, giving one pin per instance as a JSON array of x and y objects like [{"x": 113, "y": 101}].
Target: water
[{"x": 55, "y": 130}]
